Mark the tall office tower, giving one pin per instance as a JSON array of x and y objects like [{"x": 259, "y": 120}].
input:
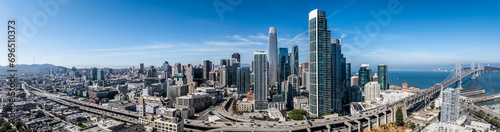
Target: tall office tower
[
  {"x": 272, "y": 57},
  {"x": 372, "y": 91},
  {"x": 243, "y": 80},
  {"x": 151, "y": 72},
  {"x": 260, "y": 84},
  {"x": 382, "y": 77},
  {"x": 100, "y": 75},
  {"x": 189, "y": 73},
  {"x": 178, "y": 68},
  {"x": 167, "y": 69},
  {"x": 283, "y": 65},
  {"x": 294, "y": 81},
  {"x": 304, "y": 66},
  {"x": 232, "y": 73},
  {"x": 225, "y": 62},
  {"x": 93, "y": 73},
  {"x": 364, "y": 75},
  {"x": 212, "y": 76},
  {"x": 354, "y": 80},
  {"x": 305, "y": 80},
  {"x": 338, "y": 76},
  {"x": 223, "y": 76},
  {"x": 347, "y": 74},
  {"x": 451, "y": 105},
  {"x": 207, "y": 68},
  {"x": 288, "y": 93},
  {"x": 320, "y": 65},
  {"x": 294, "y": 63},
  {"x": 235, "y": 56},
  {"x": 141, "y": 69}
]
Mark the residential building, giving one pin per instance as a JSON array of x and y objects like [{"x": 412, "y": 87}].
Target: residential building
[
  {"x": 451, "y": 105},
  {"x": 260, "y": 84}
]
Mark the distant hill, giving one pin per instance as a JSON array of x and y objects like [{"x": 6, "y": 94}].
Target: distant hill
[
  {"x": 491, "y": 69},
  {"x": 34, "y": 68}
]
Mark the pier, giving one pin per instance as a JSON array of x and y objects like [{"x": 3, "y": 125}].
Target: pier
[
  {"x": 472, "y": 92},
  {"x": 483, "y": 98}
]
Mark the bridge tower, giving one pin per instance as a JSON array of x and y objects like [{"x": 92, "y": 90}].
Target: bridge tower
[
  {"x": 479, "y": 69},
  {"x": 458, "y": 73},
  {"x": 474, "y": 74}
]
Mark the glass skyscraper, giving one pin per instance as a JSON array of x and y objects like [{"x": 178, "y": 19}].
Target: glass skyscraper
[
  {"x": 243, "y": 80},
  {"x": 284, "y": 66},
  {"x": 294, "y": 60},
  {"x": 260, "y": 80},
  {"x": 365, "y": 76},
  {"x": 273, "y": 57},
  {"x": 320, "y": 65},
  {"x": 382, "y": 77},
  {"x": 338, "y": 76}
]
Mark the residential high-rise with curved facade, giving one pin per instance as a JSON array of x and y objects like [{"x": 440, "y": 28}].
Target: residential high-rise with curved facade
[{"x": 272, "y": 57}]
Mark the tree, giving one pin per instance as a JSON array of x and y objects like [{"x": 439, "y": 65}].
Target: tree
[
  {"x": 297, "y": 114},
  {"x": 399, "y": 117},
  {"x": 433, "y": 105},
  {"x": 474, "y": 130}
]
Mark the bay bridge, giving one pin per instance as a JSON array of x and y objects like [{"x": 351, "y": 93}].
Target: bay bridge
[{"x": 366, "y": 119}]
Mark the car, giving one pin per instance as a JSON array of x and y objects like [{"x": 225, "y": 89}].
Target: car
[{"x": 295, "y": 124}]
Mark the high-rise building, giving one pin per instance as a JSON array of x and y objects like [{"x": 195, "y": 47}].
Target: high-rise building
[
  {"x": 167, "y": 69},
  {"x": 223, "y": 76},
  {"x": 304, "y": 66},
  {"x": 338, "y": 76},
  {"x": 348, "y": 74},
  {"x": 233, "y": 69},
  {"x": 207, "y": 68},
  {"x": 327, "y": 68},
  {"x": 320, "y": 61},
  {"x": 372, "y": 91},
  {"x": 451, "y": 105},
  {"x": 243, "y": 80},
  {"x": 283, "y": 65},
  {"x": 354, "y": 80},
  {"x": 235, "y": 56},
  {"x": 382, "y": 77},
  {"x": 260, "y": 84},
  {"x": 224, "y": 62},
  {"x": 141, "y": 69},
  {"x": 151, "y": 72},
  {"x": 100, "y": 75},
  {"x": 93, "y": 73},
  {"x": 273, "y": 57},
  {"x": 178, "y": 68},
  {"x": 294, "y": 60},
  {"x": 294, "y": 80},
  {"x": 364, "y": 75}
]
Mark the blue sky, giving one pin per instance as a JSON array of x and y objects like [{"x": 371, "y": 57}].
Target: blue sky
[{"x": 115, "y": 33}]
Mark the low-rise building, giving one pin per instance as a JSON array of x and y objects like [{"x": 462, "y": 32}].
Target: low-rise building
[
  {"x": 199, "y": 101},
  {"x": 244, "y": 106},
  {"x": 24, "y": 105},
  {"x": 169, "y": 124},
  {"x": 300, "y": 102}
]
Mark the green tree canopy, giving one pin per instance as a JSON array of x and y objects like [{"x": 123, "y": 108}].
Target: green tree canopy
[{"x": 297, "y": 114}]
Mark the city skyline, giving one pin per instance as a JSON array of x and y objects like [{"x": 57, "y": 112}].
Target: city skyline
[{"x": 153, "y": 36}]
